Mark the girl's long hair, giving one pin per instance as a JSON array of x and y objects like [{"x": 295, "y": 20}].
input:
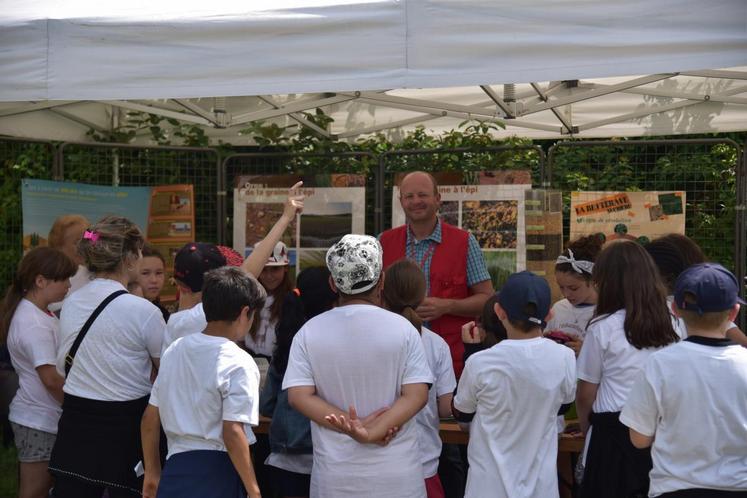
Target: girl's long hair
[
  {"x": 404, "y": 290},
  {"x": 627, "y": 278},
  {"x": 50, "y": 263},
  {"x": 278, "y": 305},
  {"x": 313, "y": 297}
]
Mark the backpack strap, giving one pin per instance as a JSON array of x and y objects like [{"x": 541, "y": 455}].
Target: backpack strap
[{"x": 70, "y": 356}]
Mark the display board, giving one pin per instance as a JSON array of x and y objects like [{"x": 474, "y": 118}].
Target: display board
[
  {"x": 335, "y": 205},
  {"x": 641, "y": 216}
]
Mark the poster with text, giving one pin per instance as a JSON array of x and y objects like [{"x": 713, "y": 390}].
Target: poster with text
[
  {"x": 490, "y": 205},
  {"x": 641, "y": 216},
  {"x": 335, "y": 205}
]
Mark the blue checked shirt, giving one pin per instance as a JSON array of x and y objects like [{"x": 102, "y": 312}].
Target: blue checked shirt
[{"x": 476, "y": 270}]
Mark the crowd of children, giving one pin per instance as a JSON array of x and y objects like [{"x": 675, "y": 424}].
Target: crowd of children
[{"x": 119, "y": 397}]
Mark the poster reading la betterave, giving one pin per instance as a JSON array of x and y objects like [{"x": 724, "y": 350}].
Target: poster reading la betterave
[
  {"x": 641, "y": 216},
  {"x": 490, "y": 205},
  {"x": 335, "y": 205}
]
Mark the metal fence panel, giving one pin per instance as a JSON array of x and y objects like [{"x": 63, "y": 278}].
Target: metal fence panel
[
  {"x": 19, "y": 158},
  {"x": 277, "y": 164},
  {"x": 129, "y": 166}
]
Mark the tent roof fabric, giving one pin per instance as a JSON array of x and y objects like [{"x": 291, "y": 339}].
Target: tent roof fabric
[{"x": 376, "y": 65}]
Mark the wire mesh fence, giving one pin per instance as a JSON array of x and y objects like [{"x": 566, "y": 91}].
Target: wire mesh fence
[
  {"x": 19, "y": 159},
  {"x": 130, "y": 166},
  {"x": 706, "y": 170}
]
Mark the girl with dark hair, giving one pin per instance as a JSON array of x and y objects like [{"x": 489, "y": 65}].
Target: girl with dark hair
[
  {"x": 674, "y": 253},
  {"x": 275, "y": 278},
  {"x": 571, "y": 315},
  {"x": 30, "y": 332},
  {"x": 630, "y": 322},
  {"x": 403, "y": 292},
  {"x": 291, "y": 457},
  {"x": 151, "y": 276},
  {"x": 109, "y": 342}
]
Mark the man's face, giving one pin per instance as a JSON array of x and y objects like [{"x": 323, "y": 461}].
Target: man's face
[{"x": 419, "y": 201}]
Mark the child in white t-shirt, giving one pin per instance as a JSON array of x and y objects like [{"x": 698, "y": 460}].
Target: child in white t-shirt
[
  {"x": 689, "y": 403},
  {"x": 511, "y": 394},
  {"x": 360, "y": 357},
  {"x": 403, "y": 293},
  {"x": 631, "y": 321},
  {"x": 30, "y": 332},
  {"x": 206, "y": 393}
]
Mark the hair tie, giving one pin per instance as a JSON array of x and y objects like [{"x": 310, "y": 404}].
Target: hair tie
[
  {"x": 578, "y": 265},
  {"x": 91, "y": 235}
]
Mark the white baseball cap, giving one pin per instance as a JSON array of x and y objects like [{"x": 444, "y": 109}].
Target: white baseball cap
[
  {"x": 355, "y": 263},
  {"x": 279, "y": 256}
]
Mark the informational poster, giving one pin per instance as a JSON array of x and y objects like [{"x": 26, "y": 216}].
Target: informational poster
[
  {"x": 490, "y": 205},
  {"x": 43, "y": 201},
  {"x": 165, "y": 214},
  {"x": 641, "y": 216},
  {"x": 335, "y": 205},
  {"x": 171, "y": 224},
  {"x": 544, "y": 229}
]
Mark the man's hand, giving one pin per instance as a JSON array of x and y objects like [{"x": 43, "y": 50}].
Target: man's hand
[
  {"x": 294, "y": 203},
  {"x": 433, "y": 308},
  {"x": 472, "y": 334}
]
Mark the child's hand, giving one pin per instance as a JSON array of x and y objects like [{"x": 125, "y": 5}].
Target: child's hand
[
  {"x": 294, "y": 203},
  {"x": 352, "y": 426},
  {"x": 575, "y": 344},
  {"x": 150, "y": 485},
  {"x": 390, "y": 433},
  {"x": 472, "y": 334}
]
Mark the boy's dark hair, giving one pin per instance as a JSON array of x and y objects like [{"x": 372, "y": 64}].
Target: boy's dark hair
[
  {"x": 227, "y": 290},
  {"x": 149, "y": 251},
  {"x": 673, "y": 254},
  {"x": 495, "y": 332},
  {"x": 526, "y": 326}
]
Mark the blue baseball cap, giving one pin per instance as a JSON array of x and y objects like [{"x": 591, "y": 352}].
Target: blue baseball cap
[
  {"x": 521, "y": 289},
  {"x": 714, "y": 287}
]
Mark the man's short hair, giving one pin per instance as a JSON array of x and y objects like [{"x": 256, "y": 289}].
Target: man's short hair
[
  {"x": 429, "y": 175},
  {"x": 227, "y": 290}
]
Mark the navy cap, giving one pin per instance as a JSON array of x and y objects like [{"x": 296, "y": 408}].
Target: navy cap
[
  {"x": 193, "y": 260},
  {"x": 521, "y": 289},
  {"x": 714, "y": 287}
]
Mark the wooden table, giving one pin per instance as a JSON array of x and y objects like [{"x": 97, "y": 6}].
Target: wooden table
[{"x": 451, "y": 433}]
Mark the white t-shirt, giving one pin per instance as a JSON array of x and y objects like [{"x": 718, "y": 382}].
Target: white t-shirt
[
  {"x": 184, "y": 323},
  {"x": 265, "y": 342},
  {"x": 678, "y": 323},
  {"x": 609, "y": 360},
  {"x": 81, "y": 278},
  {"x": 113, "y": 362},
  {"x": 204, "y": 380},
  {"x": 32, "y": 342},
  {"x": 693, "y": 397},
  {"x": 569, "y": 318},
  {"x": 361, "y": 355},
  {"x": 438, "y": 355},
  {"x": 515, "y": 390}
]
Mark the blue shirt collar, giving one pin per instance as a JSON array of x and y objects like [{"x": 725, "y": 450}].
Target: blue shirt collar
[{"x": 435, "y": 235}]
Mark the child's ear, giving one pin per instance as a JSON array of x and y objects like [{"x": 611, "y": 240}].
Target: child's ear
[
  {"x": 500, "y": 312},
  {"x": 734, "y": 312},
  {"x": 40, "y": 282},
  {"x": 676, "y": 309},
  {"x": 549, "y": 316},
  {"x": 332, "y": 284}
]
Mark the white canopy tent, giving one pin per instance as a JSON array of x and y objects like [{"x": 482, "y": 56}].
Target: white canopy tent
[{"x": 546, "y": 68}]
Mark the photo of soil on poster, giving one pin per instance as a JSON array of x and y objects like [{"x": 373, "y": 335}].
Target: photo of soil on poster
[
  {"x": 641, "y": 216},
  {"x": 334, "y": 206}
]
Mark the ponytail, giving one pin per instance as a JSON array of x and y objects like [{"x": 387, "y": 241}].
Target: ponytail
[
  {"x": 8, "y": 307},
  {"x": 404, "y": 290}
]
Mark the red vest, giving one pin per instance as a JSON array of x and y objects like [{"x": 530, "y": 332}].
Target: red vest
[{"x": 448, "y": 279}]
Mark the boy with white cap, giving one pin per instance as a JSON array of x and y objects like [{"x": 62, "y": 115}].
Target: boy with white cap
[
  {"x": 362, "y": 357},
  {"x": 689, "y": 403},
  {"x": 512, "y": 394}
]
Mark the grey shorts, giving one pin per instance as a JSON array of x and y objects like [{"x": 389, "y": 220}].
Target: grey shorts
[{"x": 33, "y": 445}]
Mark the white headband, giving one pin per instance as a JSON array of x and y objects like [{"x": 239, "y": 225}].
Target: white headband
[{"x": 580, "y": 266}]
